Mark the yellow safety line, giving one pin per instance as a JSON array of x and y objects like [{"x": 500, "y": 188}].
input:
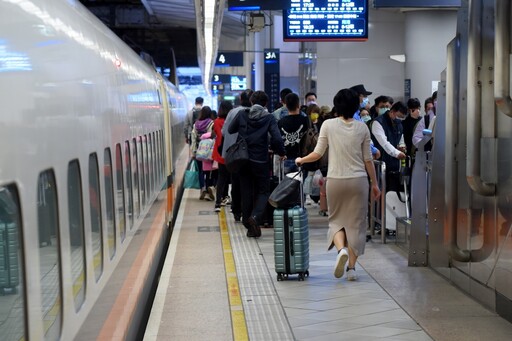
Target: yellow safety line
[{"x": 235, "y": 301}]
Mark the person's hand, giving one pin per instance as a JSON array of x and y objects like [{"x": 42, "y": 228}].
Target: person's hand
[
  {"x": 298, "y": 161},
  {"x": 282, "y": 157},
  {"x": 375, "y": 192},
  {"x": 401, "y": 156},
  {"x": 376, "y": 156}
]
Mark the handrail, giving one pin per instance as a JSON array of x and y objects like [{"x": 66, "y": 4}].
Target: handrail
[
  {"x": 450, "y": 199},
  {"x": 474, "y": 100},
  {"x": 502, "y": 57}
]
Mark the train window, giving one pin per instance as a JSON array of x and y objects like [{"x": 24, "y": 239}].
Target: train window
[
  {"x": 110, "y": 215},
  {"x": 142, "y": 183},
  {"x": 12, "y": 298},
  {"x": 95, "y": 212},
  {"x": 147, "y": 164},
  {"x": 151, "y": 159},
  {"x": 76, "y": 233},
  {"x": 158, "y": 158},
  {"x": 49, "y": 257},
  {"x": 135, "y": 168},
  {"x": 156, "y": 161},
  {"x": 120, "y": 192},
  {"x": 128, "y": 176},
  {"x": 163, "y": 154}
]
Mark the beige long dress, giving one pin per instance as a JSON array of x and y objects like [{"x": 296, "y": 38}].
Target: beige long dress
[{"x": 347, "y": 182}]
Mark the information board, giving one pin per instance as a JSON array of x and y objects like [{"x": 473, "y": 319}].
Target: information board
[
  {"x": 326, "y": 20},
  {"x": 257, "y": 5}
]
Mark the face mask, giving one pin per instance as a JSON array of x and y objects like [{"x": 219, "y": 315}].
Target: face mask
[
  {"x": 310, "y": 103},
  {"x": 366, "y": 118},
  {"x": 314, "y": 116},
  {"x": 382, "y": 111},
  {"x": 365, "y": 102}
]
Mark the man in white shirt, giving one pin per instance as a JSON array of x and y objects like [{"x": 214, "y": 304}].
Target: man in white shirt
[{"x": 387, "y": 135}]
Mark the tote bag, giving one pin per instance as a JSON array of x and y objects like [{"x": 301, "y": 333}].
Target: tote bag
[
  {"x": 287, "y": 193},
  {"x": 237, "y": 155},
  {"x": 192, "y": 176}
]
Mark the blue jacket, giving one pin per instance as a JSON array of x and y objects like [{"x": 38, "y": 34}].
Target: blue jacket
[{"x": 255, "y": 126}]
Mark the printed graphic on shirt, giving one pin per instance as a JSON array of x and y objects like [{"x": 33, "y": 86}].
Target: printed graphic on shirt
[{"x": 292, "y": 138}]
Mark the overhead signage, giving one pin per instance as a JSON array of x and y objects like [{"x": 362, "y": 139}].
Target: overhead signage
[
  {"x": 417, "y": 3},
  {"x": 326, "y": 20},
  {"x": 221, "y": 79},
  {"x": 272, "y": 76},
  {"x": 227, "y": 59},
  {"x": 257, "y": 5}
]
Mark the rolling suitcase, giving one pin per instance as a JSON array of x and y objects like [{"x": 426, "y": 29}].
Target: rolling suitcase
[
  {"x": 291, "y": 241},
  {"x": 9, "y": 267}
]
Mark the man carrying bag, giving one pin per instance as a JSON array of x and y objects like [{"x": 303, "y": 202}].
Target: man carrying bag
[{"x": 255, "y": 175}]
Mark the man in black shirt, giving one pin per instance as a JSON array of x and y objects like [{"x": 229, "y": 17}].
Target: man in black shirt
[{"x": 292, "y": 128}]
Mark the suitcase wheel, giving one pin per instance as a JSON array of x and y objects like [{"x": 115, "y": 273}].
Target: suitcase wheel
[{"x": 280, "y": 277}]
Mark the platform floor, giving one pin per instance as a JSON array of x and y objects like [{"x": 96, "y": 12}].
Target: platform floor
[{"x": 217, "y": 284}]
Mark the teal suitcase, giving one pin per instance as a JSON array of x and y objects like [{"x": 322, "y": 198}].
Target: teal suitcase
[{"x": 291, "y": 242}]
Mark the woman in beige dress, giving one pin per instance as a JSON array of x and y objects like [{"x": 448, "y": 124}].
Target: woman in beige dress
[{"x": 350, "y": 165}]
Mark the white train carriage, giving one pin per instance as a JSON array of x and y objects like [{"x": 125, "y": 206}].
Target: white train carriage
[{"x": 87, "y": 147}]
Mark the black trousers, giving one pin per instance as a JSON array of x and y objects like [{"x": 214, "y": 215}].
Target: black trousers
[{"x": 254, "y": 186}]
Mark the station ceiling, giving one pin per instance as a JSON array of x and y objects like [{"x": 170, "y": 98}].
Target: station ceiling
[{"x": 159, "y": 27}]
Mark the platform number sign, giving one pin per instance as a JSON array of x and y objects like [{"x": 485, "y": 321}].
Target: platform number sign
[
  {"x": 227, "y": 59},
  {"x": 271, "y": 65}
]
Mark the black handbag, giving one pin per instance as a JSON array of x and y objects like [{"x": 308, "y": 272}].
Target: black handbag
[
  {"x": 286, "y": 194},
  {"x": 237, "y": 155}
]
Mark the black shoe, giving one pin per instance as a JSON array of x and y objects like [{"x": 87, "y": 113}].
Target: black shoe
[
  {"x": 253, "y": 225},
  {"x": 237, "y": 217}
]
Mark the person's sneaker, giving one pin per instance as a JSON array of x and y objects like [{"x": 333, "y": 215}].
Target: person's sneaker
[
  {"x": 309, "y": 201},
  {"x": 203, "y": 194},
  {"x": 217, "y": 208},
  {"x": 341, "y": 260},
  {"x": 351, "y": 274},
  {"x": 211, "y": 197},
  {"x": 226, "y": 201}
]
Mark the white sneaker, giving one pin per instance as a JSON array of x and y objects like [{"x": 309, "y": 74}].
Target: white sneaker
[
  {"x": 351, "y": 274},
  {"x": 341, "y": 260}
]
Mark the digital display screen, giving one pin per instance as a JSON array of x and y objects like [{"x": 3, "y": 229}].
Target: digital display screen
[
  {"x": 417, "y": 3},
  {"x": 257, "y": 5},
  {"x": 326, "y": 20},
  {"x": 238, "y": 83}
]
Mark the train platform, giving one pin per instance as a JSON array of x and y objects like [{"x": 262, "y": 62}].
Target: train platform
[{"x": 217, "y": 284}]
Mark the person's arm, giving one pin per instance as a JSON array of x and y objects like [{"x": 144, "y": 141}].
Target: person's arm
[
  {"x": 234, "y": 125},
  {"x": 320, "y": 148},
  {"x": 418, "y": 132},
  {"x": 381, "y": 137},
  {"x": 370, "y": 170},
  {"x": 276, "y": 139}
]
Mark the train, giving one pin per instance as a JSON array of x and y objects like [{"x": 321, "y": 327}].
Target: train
[{"x": 91, "y": 166}]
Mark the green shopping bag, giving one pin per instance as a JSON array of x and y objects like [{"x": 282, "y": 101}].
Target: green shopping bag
[{"x": 192, "y": 176}]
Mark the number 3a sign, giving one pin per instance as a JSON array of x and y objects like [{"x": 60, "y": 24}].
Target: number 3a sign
[{"x": 270, "y": 55}]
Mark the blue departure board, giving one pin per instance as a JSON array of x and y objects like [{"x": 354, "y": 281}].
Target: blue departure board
[{"x": 326, "y": 20}]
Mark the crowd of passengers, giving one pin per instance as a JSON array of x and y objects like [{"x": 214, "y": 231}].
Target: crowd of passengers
[{"x": 339, "y": 170}]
